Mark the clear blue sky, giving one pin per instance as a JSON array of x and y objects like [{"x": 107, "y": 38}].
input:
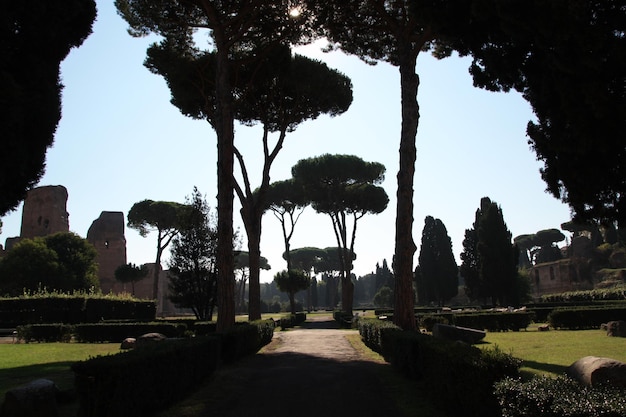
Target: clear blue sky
[{"x": 120, "y": 141}]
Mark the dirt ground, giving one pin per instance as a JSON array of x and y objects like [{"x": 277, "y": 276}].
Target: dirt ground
[{"x": 304, "y": 372}]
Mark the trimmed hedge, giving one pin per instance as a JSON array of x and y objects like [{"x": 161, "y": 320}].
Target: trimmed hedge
[
  {"x": 116, "y": 332},
  {"x": 490, "y": 321},
  {"x": 46, "y": 333},
  {"x": 460, "y": 377},
  {"x": 558, "y": 397},
  {"x": 143, "y": 381},
  {"x": 72, "y": 309},
  {"x": 585, "y": 317},
  {"x": 245, "y": 339},
  {"x": 292, "y": 320}
]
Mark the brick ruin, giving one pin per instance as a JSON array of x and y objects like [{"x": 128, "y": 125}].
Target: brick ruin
[
  {"x": 106, "y": 234},
  {"x": 45, "y": 212}
]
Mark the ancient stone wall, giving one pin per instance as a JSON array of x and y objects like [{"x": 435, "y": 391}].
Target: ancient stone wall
[
  {"x": 45, "y": 212},
  {"x": 107, "y": 235}
]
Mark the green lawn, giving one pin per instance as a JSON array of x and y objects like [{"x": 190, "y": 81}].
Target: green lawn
[
  {"x": 551, "y": 352},
  {"x": 21, "y": 363}
]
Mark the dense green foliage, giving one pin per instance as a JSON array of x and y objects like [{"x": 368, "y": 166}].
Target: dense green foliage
[
  {"x": 588, "y": 317},
  {"x": 291, "y": 282},
  {"x": 72, "y": 309},
  {"x": 558, "y": 397},
  {"x": 193, "y": 263},
  {"x": 437, "y": 275},
  {"x": 383, "y": 297},
  {"x": 34, "y": 39},
  {"x": 140, "y": 380},
  {"x": 459, "y": 376},
  {"x": 489, "y": 259},
  {"x": 57, "y": 262},
  {"x": 599, "y": 294},
  {"x": 566, "y": 58}
]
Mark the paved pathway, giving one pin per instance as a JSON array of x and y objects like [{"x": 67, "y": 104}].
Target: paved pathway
[{"x": 304, "y": 372}]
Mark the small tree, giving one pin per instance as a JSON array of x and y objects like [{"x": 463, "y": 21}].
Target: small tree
[
  {"x": 291, "y": 282},
  {"x": 160, "y": 216},
  {"x": 438, "y": 277},
  {"x": 242, "y": 264},
  {"x": 384, "y": 297},
  {"x": 344, "y": 187},
  {"x": 130, "y": 273},
  {"x": 193, "y": 262},
  {"x": 287, "y": 200},
  {"x": 62, "y": 261}
]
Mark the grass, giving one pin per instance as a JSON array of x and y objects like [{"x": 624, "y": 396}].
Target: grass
[
  {"x": 550, "y": 353},
  {"x": 22, "y": 363},
  {"x": 543, "y": 353}
]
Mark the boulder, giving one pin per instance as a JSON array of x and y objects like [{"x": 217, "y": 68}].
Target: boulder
[
  {"x": 128, "y": 343},
  {"x": 594, "y": 370},
  {"x": 35, "y": 399},
  {"x": 149, "y": 338},
  {"x": 463, "y": 334},
  {"x": 616, "y": 328}
]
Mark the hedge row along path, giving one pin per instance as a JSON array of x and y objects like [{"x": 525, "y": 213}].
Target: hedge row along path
[{"x": 309, "y": 371}]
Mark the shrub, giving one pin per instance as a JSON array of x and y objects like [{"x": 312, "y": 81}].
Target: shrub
[
  {"x": 45, "y": 333},
  {"x": 116, "y": 332},
  {"x": 558, "y": 397},
  {"x": 143, "y": 381},
  {"x": 585, "y": 317},
  {"x": 458, "y": 375}
]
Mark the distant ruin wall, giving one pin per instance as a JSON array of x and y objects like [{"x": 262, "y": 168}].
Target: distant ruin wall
[
  {"x": 107, "y": 235},
  {"x": 45, "y": 212}
]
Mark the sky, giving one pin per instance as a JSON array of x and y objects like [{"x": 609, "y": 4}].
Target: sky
[{"x": 120, "y": 141}]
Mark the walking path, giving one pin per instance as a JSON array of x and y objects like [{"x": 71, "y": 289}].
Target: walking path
[{"x": 304, "y": 372}]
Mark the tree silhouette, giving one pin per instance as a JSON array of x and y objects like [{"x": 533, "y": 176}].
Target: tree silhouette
[
  {"x": 162, "y": 217},
  {"x": 343, "y": 187},
  {"x": 34, "y": 39},
  {"x": 241, "y": 33}
]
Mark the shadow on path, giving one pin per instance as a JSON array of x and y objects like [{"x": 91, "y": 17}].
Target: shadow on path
[
  {"x": 293, "y": 384},
  {"x": 303, "y": 372},
  {"x": 320, "y": 324}
]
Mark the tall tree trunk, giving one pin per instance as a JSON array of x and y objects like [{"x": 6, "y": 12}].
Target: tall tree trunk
[
  {"x": 405, "y": 246},
  {"x": 157, "y": 270},
  {"x": 224, "y": 127},
  {"x": 254, "y": 259}
]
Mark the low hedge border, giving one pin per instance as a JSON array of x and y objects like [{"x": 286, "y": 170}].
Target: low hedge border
[
  {"x": 145, "y": 380},
  {"x": 558, "y": 397},
  {"x": 459, "y": 376},
  {"x": 490, "y": 321},
  {"x": 585, "y": 317},
  {"x": 292, "y": 320},
  {"x": 72, "y": 309}
]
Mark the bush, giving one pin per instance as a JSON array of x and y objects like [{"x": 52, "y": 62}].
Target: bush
[
  {"x": 558, "y": 397},
  {"x": 585, "y": 317},
  {"x": 460, "y": 376},
  {"x": 143, "y": 381},
  {"x": 42, "y": 308},
  {"x": 116, "y": 332},
  {"x": 377, "y": 335},
  {"x": 245, "y": 339},
  {"x": 47, "y": 333}
]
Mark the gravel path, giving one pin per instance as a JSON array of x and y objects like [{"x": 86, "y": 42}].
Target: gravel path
[{"x": 305, "y": 372}]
